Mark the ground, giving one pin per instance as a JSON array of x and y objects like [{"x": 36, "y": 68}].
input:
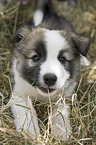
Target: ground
[{"x": 83, "y": 110}]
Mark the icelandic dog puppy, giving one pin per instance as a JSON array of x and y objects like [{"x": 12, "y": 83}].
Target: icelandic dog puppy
[{"x": 46, "y": 61}]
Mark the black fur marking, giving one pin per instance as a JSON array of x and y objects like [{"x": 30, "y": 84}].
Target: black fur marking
[
  {"x": 70, "y": 65},
  {"x": 71, "y": 68},
  {"x": 40, "y": 49},
  {"x": 31, "y": 74}
]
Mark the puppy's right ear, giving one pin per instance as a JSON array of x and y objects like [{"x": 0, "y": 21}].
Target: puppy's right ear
[
  {"x": 17, "y": 36},
  {"x": 21, "y": 33}
]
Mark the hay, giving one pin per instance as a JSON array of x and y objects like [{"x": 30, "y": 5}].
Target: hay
[{"x": 83, "y": 113}]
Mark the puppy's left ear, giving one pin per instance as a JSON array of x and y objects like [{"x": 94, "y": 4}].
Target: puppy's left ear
[{"x": 81, "y": 44}]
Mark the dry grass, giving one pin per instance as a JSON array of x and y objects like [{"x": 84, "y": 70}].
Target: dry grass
[{"x": 83, "y": 112}]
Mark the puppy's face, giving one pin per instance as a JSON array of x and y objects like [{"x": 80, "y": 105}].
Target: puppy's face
[{"x": 47, "y": 59}]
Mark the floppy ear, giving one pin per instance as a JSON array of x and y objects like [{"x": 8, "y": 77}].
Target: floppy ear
[
  {"x": 20, "y": 34},
  {"x": 17, "y": 36},
  {"x": 81, "y": 44}
]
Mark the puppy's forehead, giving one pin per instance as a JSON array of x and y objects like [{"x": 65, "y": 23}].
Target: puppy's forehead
[
  {"x": 52, "y": 40},
  {"x": 55, "y": 41},
  {"x": 51, "y": 37},
  {"x": 54, "y": 37}
]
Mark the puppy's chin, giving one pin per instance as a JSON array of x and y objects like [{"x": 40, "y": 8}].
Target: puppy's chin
[{"x": 47, "y": 93}]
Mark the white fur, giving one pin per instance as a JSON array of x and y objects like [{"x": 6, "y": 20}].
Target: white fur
[
  {"x": 55, "y": 43},
  {"x": 37, "y": 17},
  {"x": 24, "y": 118}
]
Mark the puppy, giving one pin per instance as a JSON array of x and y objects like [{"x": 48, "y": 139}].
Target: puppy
[{"x": 46, "y": 66}]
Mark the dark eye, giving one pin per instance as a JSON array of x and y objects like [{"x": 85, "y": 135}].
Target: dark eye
[
  {"x": 35, "y": 58},
  {"x": 62, "y": 59}
]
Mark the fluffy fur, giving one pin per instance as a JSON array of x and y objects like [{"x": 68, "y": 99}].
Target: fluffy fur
[{"x": 46, "y": 61}]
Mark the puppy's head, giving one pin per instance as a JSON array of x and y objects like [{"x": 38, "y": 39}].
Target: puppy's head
[{"x": 48, "y": 59}]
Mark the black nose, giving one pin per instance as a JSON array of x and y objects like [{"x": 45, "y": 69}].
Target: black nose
[{"x": 49, "y": 79}]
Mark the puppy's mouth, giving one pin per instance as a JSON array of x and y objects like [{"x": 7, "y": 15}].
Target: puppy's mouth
[{"x": 46, "y": 90}]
